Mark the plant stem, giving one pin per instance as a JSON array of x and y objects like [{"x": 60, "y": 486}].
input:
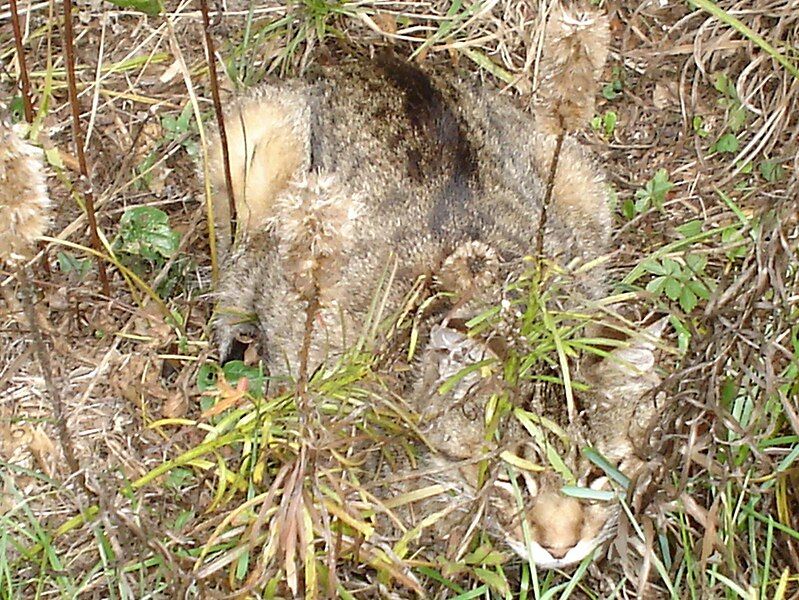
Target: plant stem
[
  {"x": 553, "y": 169},
  {"x": 69, "y": 59},
  {"x": 209, "y": 48},
  {"x": 23, "y": 69},
  {"x": 47, "y": 371}
]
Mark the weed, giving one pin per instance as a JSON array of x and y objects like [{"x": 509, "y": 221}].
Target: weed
[
  {"x": 653, "y": 194},
  {"x": 613, "y": 89},
  {"x": 182, "y": 130},
  {"x": 145, "y": 242},
  {"x": 606, "y": 124},
  {"x": 726, "y": 144},
  {"x": 771, "y": 170},
  {"x": 232, "y": 372},
  {"x": 148, "y": 7},
  {"x": 144, "y": 232},
  {"x": 698, "y": 125},
  {"x": 736, "y": 113},
  {"x": 73, "y": 266},
  {"x": 680, "y": 280}
]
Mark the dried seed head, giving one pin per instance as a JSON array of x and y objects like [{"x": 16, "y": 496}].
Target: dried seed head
[
  {"x": 24, "y": 203},
  {"x": 473, "y": 265},
  {"x": 314, "y": 224},
  {"x": 575, "y": 51}
]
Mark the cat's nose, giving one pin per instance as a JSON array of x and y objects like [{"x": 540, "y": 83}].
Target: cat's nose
[{"x": 557, "y": 551}]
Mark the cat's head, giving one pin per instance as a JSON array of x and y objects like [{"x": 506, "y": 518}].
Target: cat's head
[{"x": 524, "y": 486}]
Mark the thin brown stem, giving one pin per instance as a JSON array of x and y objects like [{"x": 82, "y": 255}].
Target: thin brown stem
[
  {"x": 23, "y": 69},
  {"x": 305, "y": 350},
  {"x": 220, "y": 121},
  {"x": 553, "y": 170},
  {"x": 47, "y": 371},
  {"x": 77, "y": 133}
]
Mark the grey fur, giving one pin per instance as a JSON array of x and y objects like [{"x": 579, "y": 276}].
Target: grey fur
[{"x": 435, "y": 164}]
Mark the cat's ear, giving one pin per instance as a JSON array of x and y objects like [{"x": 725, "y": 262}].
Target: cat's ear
[{"x": 636, "y": 358}]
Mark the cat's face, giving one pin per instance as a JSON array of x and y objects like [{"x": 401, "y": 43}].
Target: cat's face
[{"x": 528, "y": 510}]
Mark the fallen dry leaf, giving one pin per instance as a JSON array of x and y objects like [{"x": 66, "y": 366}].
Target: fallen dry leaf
[
  {"x": 175, "y": 406},
  {"x": 43, "y": 450}
]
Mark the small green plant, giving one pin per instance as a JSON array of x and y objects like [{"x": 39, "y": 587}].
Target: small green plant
[
  {"x": 144, "y": 231},
  {"x": 771, "y": 170},
  {"x": 208, "y": 377},
  {"x": 726, "y": 144},
  {"x": 731, "y": 102},
  {"x": 606, "y": 124},
  {"x": 681, "y": 281},
  {"x": 735, "y": 239},
  {"x": 653, "y": 194},
  {"x": 612, "y": 90},
  {"x": 181, "y": 129},
  {"x": 698, "y": 124},
  {"x": 484, "y": 563},
  {"x": 146, "y": 241},
  {"x": 148, "y": 7},
  {"x": 16, "y": 108},
  {"x": 73, "y": 266}
]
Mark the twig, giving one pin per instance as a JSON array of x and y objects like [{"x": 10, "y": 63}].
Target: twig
[
  {"x": 184, "y": 69},
  {"x": 553, "y": 170},
  {"x": 23, "y": 69},
  {"x": 47, "y": 372},
  {"x": 69, "y": 59},
  {"x": 209, "y": 48},
  {"x": 305, "y": 350}
]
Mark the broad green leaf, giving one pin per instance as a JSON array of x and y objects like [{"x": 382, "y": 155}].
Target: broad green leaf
[
  {"x": 236, "y": 369},
  {"x": 207, "y": 376},
  {"x": 486, "y": 556},
  {"x": 683, "y": 335},
  {"x": 672, "y": 267},
  {"x": 71, "y": 264},
  {"x": 696, "y": 262},
  {"x": 699, "y": 288},
  {"x": 654, "y": 267},
  {"x": 144, "y": 231},
  {"x": 672, "y": 288},
  {"x": 691, "y": 228},
  {"x": 609, "y": 92},
  {"x": 724, "y": 85},
  {"x": 726, "y": 144},
  {"x": 656, "y": 285},
  {"x": 628, "y": 209},
  {"x": 688, "y": 299},
  {"x": 737, "y": 118},
  {"x": 494, "y": 580}
]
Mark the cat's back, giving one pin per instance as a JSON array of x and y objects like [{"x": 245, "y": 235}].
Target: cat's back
[{"x": 433, "y": 168}]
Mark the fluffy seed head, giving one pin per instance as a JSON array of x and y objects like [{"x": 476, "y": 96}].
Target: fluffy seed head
[
  {"x": 575, "y": 50},
  {"x": 24, "y": 203},
  {"x": 314, "y": 224},
  {"x": 472, "y": 265}
]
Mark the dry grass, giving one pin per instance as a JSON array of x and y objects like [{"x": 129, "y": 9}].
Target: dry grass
[{"x": 178, "y": 498}]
